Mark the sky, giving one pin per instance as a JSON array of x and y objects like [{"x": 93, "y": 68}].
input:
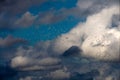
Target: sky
[{"x": 59, "y": 39}]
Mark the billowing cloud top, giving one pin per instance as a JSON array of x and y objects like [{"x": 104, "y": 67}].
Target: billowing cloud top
[{"x": 96, "y": 37}]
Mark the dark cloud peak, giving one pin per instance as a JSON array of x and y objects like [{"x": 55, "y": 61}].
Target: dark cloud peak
[{"x": 72, "y": 51}]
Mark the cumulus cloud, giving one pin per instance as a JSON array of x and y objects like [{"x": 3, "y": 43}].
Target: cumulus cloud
[
  {"x": 20, "y": 61},
  {"x": 95, "y": 37}
]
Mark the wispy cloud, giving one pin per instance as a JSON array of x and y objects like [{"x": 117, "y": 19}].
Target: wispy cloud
[
  {"x": 13, "y": 8},
  {"x": 10, "y": 41}
]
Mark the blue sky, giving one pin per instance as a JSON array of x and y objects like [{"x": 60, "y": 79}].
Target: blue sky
[
  {"x": 43, "y": 32},
  {"x": 53, "y": 5}
]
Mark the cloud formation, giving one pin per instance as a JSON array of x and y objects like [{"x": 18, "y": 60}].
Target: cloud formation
[
  {"x": 96, "y": 37},
  {"x": 9, "y": 11},
  {"x": 28, "y": 63},
  {"x": 93, "y": 6},
  {"x": 59, "y": 74},
  {"x": 10, "y": 40},
  {"x": 20, "y": 61},
  {"x": 26, "y": 20},
  {"x": 81, "y": 9}
]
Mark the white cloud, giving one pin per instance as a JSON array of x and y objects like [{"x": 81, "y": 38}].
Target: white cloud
[
  {"x": 26, "y": 20},
  {"x": 28, "y": 63},
  {"x": 93, "y": 6},
  {"x": 95, "y": 37},
  {"x": 59, "y": 74},
  {"x": 26, "y": 78},
  {"x": 20, "y": 61},
  {"x": 109, "y": 78},
  {"x": 85, "y": 4},
  {"x": 49, "y": 61}
]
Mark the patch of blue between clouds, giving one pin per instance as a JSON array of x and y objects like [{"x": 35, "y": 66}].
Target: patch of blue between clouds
[
  {"x": 43, "y": 32},
  {"x": 58, "y": 4}
]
